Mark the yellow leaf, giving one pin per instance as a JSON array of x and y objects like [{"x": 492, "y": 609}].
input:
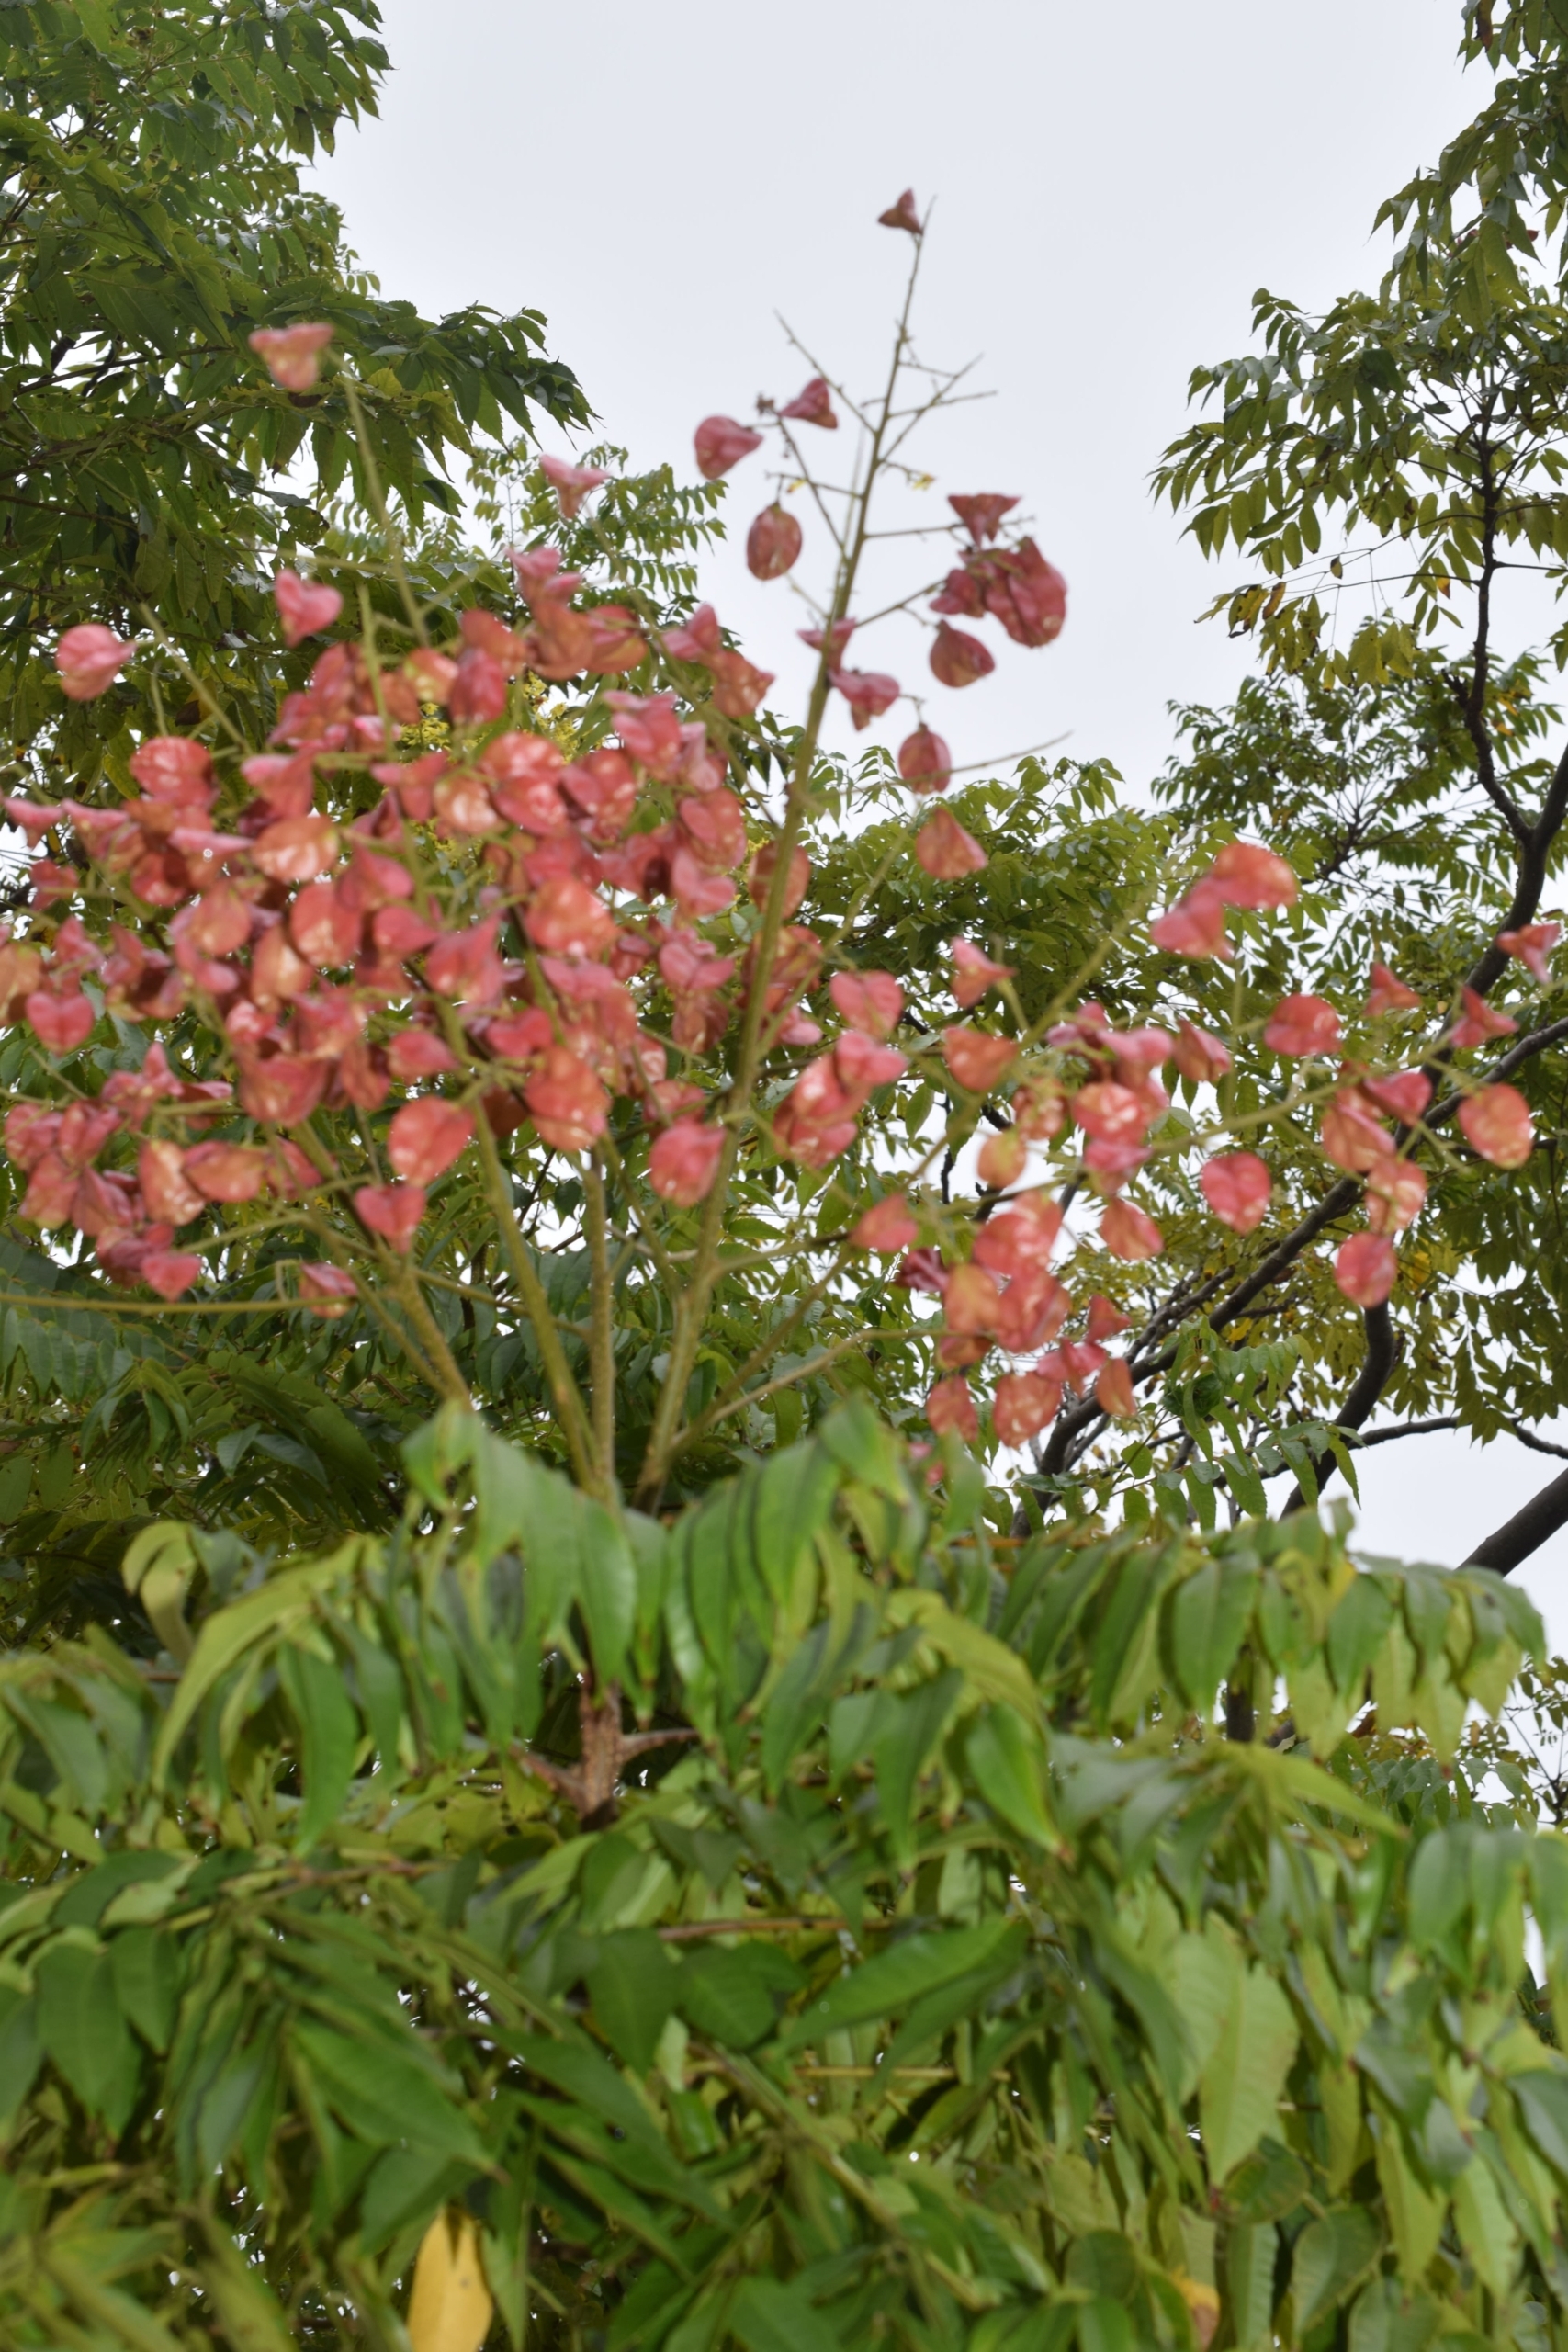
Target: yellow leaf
[{"x": 449, "y": 2310}]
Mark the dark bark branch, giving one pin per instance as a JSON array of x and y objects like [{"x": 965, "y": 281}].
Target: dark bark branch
[
  {"x": 1076, "y": 1428},
  {"x": 1489, "y": 967},
  {"x": 1409, "y": 1428},
  {"x": 1474, "y": 704},
  {"x": 1525, "y": 1532},
  {"x": 1382, "y": 1355},
  {"x": 1523, "y": 1051}
]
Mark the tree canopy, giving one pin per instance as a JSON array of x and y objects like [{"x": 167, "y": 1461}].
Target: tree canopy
[
  {"x": 152, "y": 217},
  {"x": 652, "y": 1699}
]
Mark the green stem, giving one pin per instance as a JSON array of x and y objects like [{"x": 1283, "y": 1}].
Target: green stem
[
  {"x": 557, "y": 1372},
  {"x": 692, "y": 1312},
  {"x": 602, "y": 1333}
]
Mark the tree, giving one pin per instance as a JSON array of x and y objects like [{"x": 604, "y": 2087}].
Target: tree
[
  {"x": 151, "y": 220},
  {"x": 682, "y": 1849}
]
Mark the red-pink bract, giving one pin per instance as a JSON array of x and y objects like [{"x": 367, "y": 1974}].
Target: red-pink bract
[
  {"x": 61, "y": 1023},
  {"x": 1403, "y": 1096},
  {"x": 975, "y": 972},
  {"x": 170, "y": 1197},
  {"x": 296, "y": 849},
  {"x": 841, "y": 634},
  {"x": 1019, "y": 1236},
  {"x": 889, "y": 1226},
  {"x": 1388, "y": 993},
  {"x": 175, "y": 769},
  {"x": 1129, "y": 1232},
  {"x": 957, "y": 659},
  {"x": 1199, "y": 1055},
  {"x": 304, "y": 605},
  {"x": 463, "y": 965},
  {"x": 812, "y": 406},
  {"x": 326, "y": 1290},
  {"x": 1023, "y": 1404},
  {"x": 1236, "y": 1186},
  {"x": 1105, "y": 1317},
  {"x": 902, "y": 215},
  {"x": 1351, "y": 1137},
  {"x": 1028, "y": 595},
  {"x": 226, "y": 1171},
  {"x": 976, "y": 1059},
  {"x": 760, "y": 876},
  {"x": 1195, "y": 926},
  {"x": 293, "y": 356},
  {"x": 1248, "y": 875},
  {"x": 868, "y": 692},
  {"x": 945, "y": 850},
  {"x": 1479, "y": 1021},
  {"x": 684, "y": 1160},
  {"x": 170, "y": 1273},
  {"x": 924, "y": 761},
  {"x": 872, "y": 1002},
  {"x": 393, "y": 1211},
  {"x": 568, "y": 919},
  {"x": 773, "y": 543},
  {"x": 1301, "y": 1025},
  {"x": 428, "y": 1136},
  {"x": 721, "y": 443},
  {"x": 566, "y": 1101},
  {"x": 1531, "y": 944},
  {"x": 1395, "y": 1192},
  {"x": 1114, "y": 1390},
  {"x": 570, "y": 483},
  {"x": 1113, "y": 1113},
  {"x": 1496, "y": 1124},
  {"x": 1002, "y": 1159},
  {"x": 981, "y": 513},
  {"x": 862, "y": 1065},
  {"x": 89, "y": 657},
  {"x": 1365, "y": 1268},
  {"x": 282, "y": 1091}
]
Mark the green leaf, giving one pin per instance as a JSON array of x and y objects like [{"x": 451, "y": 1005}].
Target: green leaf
[
  {"x": 1267, "y": 2186},
  {"x": 907, "y": 1730},
  {"x": 385, "y": 2096},
  {"x": 248, "y": 2312},
  {"x": 778, "y": 2315},
  {"x": 607, "y": 1588},
  {"x": 632, "y": 1984},
  {"x": 21, "y": 2049},
  {"x": 1208, "y": 1618},
  {"x": 1105, "y": 2326},
  {"x": 1250, "y": 2251},
  {"x": 329, "y": 1737},
  {"x": 1332, "y": 2256},
  {"x": 1543, "y": 2102},
  {"x": 145, "y": 1965},
  {"x": 733, "y": 1996},
  {"x": 1009, "y": 1770},
  {"x": 120, "y": 2315},
  {"x": 1243, "y": 2080},
  {"x": 884, "y": 1986},
  {"x": 83, "y": 2031}
]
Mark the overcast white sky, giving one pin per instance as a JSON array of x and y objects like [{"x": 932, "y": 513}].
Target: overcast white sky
[{"x": 1112, "y": 187}]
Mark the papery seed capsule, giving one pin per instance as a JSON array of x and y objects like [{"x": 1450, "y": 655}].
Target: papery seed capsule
[{"x": 773, "y": 543}]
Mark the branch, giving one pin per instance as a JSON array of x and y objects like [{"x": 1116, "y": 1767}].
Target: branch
[
  {"x": 1489, "y": 967},
  {"x": 1474, "y": 705},
  {"x": 1409, "y": 1428},
  {"x": 1525, "y": 1050},
  {"x": 1382, "y": 1355},
  {"x": 1525, "y": 1532}
]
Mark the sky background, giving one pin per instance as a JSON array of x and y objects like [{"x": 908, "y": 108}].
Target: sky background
[{"x": 1110, "y": 188}]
